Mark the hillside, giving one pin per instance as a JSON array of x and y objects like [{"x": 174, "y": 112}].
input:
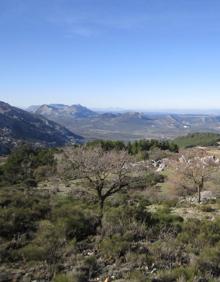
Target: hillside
[
  {"x": 17, "y": 126},
  {"x": 110, "y": 217},
  {"x": 197, "y": 139},
  {"x": 128, "y": 125}
]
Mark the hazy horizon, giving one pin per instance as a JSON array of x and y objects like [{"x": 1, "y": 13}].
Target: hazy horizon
[{"x": 211, "y": 111}]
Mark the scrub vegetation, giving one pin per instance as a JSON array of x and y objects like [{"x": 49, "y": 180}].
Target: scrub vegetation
[{"x": 104, "y": 212}]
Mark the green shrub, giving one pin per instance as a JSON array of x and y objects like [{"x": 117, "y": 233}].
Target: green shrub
[
  {"x": 79, "y": 276},
  {"x": 130, "y": 221},
  {"x": 139, "y": 258},
  {"x": 77, "y": 220},
  {"x": 70, "y": 277},
  {"x": 47, "y": 244},
  {"x": 167, "y": 253},
  {"x": 34, "y": 252},
  {"x": 170, "y": 203},
  {"x": 20, "y": 211},
  {"x": 22, "y": 163},
  {"x": 136, "y": 276},
  {"x": 165, "y": 222},
  {"x": 114, "y": 247},
  {"x": 196, "y": 234},
  {"x": 190, "y": 230},
  {"x": 62, "y": 278},
  {"x": 209, "y": 261},
  {"x": 79, "y": 225},
  {"x": 185, "y": 274},
  {"x": 210, "y": 232},
  {"x": 153, "y": 178}
]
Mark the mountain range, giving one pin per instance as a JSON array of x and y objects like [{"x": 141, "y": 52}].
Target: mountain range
[
  {"x": 17, "y": 125},
  {"x": 58, "y": 125},
  {"x": 126, "y": 125}
]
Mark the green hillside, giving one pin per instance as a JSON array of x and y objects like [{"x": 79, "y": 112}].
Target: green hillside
[{"x": 197, "y": 139}]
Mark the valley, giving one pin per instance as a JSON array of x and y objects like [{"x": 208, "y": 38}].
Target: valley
[{"x": 127, "y": 126}]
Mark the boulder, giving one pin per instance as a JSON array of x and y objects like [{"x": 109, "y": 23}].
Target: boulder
[{"x": 207, "y": 196}]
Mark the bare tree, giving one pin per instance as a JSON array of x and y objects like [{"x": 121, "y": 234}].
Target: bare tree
[
  {"x": 106, "y": 173},
  {"x": 193, "y": 170}
]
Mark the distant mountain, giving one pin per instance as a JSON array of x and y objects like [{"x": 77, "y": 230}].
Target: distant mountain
[
  {"x": 74, "y": 111},
  {"x": 17, "y": 125},
  {"x": 127, "y": 125},
  {"x": 32, "y": 109}
]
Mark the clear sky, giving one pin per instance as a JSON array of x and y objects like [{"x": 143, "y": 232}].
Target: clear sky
[{"x": 147, "y": 54}]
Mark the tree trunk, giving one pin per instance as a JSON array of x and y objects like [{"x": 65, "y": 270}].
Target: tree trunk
[
  {"x": 199, "y": 194},
  {"x": 101, "y": 207},
  {"x": 101, "y": 212},
  {"x": 199, "y": 190}
]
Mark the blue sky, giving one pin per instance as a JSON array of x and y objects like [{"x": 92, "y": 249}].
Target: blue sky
[{"x": 140, "y": 54}]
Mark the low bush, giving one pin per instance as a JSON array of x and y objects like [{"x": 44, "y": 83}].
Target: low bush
[
  {"x": 47, "y": 245},
  {"x": 154, "y": 178},
  {"x": 27, "y": 165},
  {"x": 130, "y": 220},
  {"x": 76, "y": 219},
  {"x": 209, "y": 261},
  {"x": 20, "y": 212},
  {"x": 136, "y": 276},
  {"x": 115, "y": 247},
  {"x": 165, "y": 222},
  {"x": 181, "y": 274},
  {"x": 63, "y": 278}
]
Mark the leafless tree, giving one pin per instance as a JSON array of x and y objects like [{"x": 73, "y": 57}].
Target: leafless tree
[
  {"x": 194, "y": 169},
  {"x": 106, "y": 173}
]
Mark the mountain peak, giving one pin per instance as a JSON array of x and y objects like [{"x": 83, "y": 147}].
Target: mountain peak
[{"x": 53, "y": 110}]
